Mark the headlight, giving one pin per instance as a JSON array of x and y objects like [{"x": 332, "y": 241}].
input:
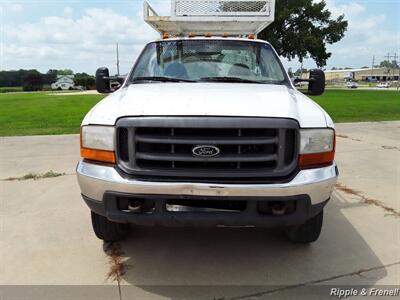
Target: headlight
[
  {"x": 317, "y": 148},
  {"x": 316, "y": 140},
  {"x": 97, "y": 143},
  {"x": 98, "y": 137}
]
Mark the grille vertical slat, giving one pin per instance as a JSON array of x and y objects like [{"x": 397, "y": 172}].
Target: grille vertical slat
[
  {"x": 131, "y": 144},
  {"x": 172, "y": 147},
  {"x": 281, "y": 147},
  {"x": 239, "y": 165},
  {"x": 249, "y": 147}
]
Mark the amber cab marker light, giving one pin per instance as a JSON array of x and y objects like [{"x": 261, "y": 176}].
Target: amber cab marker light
[
  {"x": 251, "y": 36},
  {"x": 208, "y": 34},
  {"x": 192, "y": 34},
  {"x": 165, "y": 35},
  {"x": 225, "y": 35}
]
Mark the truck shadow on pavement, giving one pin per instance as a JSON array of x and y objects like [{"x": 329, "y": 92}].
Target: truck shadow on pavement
[{"x": 214, "y": 263}]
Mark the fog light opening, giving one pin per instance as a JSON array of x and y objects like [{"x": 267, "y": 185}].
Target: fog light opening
[
  {"x": 278, "y": 209},
  {"x": 135, "y": 205}
]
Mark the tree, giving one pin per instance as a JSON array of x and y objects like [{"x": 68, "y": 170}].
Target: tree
[
  {"x": 290, "y": 73},
  {"x": 300, "y": 71},
  {"x": 32, "y": 81},
  {"x": 85, "y": 80},
  {"x": 50, "y": 77},
  {"x": 389, "y": 64},
  {"x": 303, "y": 28},
  {"x": 12, "y": 78},
  {"x": 65, "y": 72}
]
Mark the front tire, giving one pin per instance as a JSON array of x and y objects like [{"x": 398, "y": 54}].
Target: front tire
[
  {"x": 307, "y": 232},
  {"x": 108, "y": 231}
]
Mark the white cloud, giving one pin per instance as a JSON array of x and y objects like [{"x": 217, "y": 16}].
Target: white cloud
[
  {"x": 13, "y": 7},
  {"x": 368, "y": 34},
  {"x": 350, "y": 9},
  {"x": 78, "y": 43},
  {"x": 68, "y": 11},
  {"x": 87, "y": 41}
]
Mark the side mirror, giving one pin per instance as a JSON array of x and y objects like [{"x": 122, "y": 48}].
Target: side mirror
[
  {"x": 116, "y": 82},
  {"x": 103, "y": 80},
  {"x": 316, "y": 84}
]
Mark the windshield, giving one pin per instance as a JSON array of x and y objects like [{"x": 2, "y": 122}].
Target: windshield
[{"x": 208, "y": 60}]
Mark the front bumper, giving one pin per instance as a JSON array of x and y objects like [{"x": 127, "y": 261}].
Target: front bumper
[{"x": 96, "y": 180}]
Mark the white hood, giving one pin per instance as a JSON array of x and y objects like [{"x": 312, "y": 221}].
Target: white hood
[{"x": 208, "y": 99}]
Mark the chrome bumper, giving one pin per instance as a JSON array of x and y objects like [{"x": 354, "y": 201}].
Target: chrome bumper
[{"x": 95, "y": 180}]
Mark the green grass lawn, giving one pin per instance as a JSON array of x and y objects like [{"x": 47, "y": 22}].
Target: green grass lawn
[
  {"x": 44, "y": 113},
  {"x": 360, "y": 105}
]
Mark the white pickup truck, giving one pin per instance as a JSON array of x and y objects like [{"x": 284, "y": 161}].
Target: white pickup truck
[{"x": 207, "y": 131}]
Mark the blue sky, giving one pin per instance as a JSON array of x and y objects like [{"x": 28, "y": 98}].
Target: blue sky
[{"x": 81, "y": 35}]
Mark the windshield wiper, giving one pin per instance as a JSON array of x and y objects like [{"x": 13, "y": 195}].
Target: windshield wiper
[
  {"x": 161, "y": 79},
  {"x": 237, "y": 79},
  {"x": 229, "y": 79}
]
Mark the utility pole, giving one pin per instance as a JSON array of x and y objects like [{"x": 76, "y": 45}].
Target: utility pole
[
  {"x": 397, "y": 66},
  {"x": 117, "y": 60},
  {"x": 372, "y": 68},
  {"x": 388, "y": 57}
]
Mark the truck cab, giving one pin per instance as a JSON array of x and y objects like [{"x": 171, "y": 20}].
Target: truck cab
[{"x": 208, "y": 130}]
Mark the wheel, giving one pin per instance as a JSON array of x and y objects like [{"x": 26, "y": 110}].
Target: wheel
[
  {"x": 108, "y": 231},
  {"x": 307, "y": 232}
]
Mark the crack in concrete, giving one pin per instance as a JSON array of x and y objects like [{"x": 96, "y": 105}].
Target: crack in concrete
[
  {"x": 312, "y": 282},
  {"x": 35, "y": 176},
  {"x": 117, "y": 265},
  {"x": 347, "y": 137},
  {"x": 364, "y": 199},
  {"x": 391, "y": 148}
]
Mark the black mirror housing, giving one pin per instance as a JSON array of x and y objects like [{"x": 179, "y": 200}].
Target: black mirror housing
[
  {"x": 103, "y": 80},
  {"x": 316, "y": 84}
]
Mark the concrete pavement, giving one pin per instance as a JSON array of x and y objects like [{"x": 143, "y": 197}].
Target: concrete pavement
[{"x": 46, "y": 235}]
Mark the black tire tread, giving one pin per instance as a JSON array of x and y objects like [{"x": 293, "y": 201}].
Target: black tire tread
[
  {"x": 308, "y": 232},
  {"x": 108, "y": 231}
]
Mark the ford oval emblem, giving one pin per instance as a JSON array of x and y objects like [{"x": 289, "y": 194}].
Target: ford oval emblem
[{"x": 205, "y": 151}]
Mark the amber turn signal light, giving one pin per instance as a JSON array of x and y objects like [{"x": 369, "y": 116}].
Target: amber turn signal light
[
  {"x": 316, "y": 160},
  {"x": 98, "y": 155}
]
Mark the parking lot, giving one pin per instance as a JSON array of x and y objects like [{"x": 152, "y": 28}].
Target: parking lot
[{"x": 47, "y": 239}]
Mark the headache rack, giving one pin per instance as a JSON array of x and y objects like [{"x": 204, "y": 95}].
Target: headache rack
[{"x": 212, "y": 17}]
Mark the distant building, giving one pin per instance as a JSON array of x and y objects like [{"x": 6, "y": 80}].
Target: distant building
[
  {"x": 64, "y": 82},
  {"x": 366, "y": 74}
]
